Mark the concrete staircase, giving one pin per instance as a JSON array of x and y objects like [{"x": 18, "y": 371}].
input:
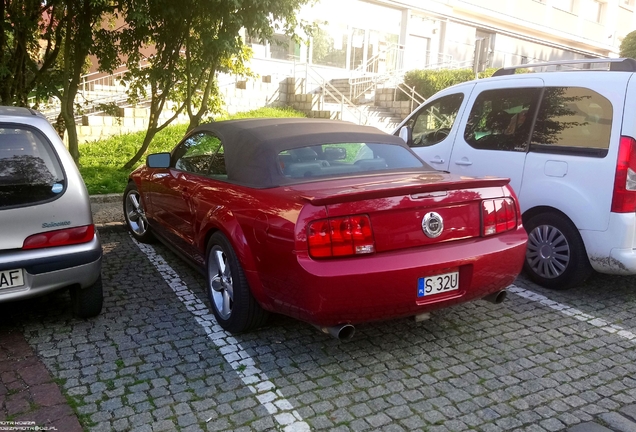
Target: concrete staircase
[{"x": 376, "y": 108}]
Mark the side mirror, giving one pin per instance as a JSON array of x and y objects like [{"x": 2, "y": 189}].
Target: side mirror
[
  {"x": 405, "y": 134},
  {"x": 158, "y": 160}
]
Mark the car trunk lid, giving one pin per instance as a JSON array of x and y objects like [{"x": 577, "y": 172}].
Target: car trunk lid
[{"x": 400, "y": 206}]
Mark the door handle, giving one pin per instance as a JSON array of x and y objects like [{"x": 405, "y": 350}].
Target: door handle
[
  {"x": 437, "y": 160},
  {"x": 463, "y": 162}
]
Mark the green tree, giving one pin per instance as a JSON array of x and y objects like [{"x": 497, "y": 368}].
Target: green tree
[
  {"x": 628, "y": 45},
  {"x": 45, "y": 47},
  {"x": 187, "y": 43},
  {"x": 30, "y": 40}
]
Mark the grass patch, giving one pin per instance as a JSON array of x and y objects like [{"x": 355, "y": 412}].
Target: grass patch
[{"x": 101, "y": 161}]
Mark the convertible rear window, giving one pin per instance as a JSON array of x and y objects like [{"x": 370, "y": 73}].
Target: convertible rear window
[
  {"x": 29, "y": 170},
  {"x": 331, "y": 160}
]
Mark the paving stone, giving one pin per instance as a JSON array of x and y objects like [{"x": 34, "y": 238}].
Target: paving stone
[
  {"x": 629, "y": 411},
  {"x": 589, "y": 427},
  {"x": 618, "y": 422}
]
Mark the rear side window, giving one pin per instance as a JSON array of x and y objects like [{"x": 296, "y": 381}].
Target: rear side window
[
  {"x": 332, "y": 160},
  {"x": 30, "y": 172},
  {"x": 501, "y": 119},
  {"x": 573, "y": 120},
  {"x": 201, "y": 154}
]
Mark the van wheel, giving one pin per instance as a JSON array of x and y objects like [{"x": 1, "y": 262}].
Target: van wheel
[
  {"x": 87, "y": 302},
  {"x": 135, "y": 215},
  {"x": 233, "y": 305},
  {"x": 556, "y": 256}
]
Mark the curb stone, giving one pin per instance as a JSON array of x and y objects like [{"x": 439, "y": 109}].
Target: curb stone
[{"x": 106, "y": 198}]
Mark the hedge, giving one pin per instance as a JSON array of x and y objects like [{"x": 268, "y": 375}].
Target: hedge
[{"x": 429, "y": 82}]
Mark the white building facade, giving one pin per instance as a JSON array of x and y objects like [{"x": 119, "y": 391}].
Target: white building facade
[{"x": 411, "y": 34}]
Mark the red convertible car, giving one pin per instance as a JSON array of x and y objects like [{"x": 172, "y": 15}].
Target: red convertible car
[{"x": 325, "y": 221}]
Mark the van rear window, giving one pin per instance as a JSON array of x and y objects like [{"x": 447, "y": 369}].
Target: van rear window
[
  {"x": 573, "y": 117},
  {"x": 30, "y": 172}
]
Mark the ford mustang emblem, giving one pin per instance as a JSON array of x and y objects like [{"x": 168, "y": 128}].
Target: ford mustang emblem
[{"x": 432, "y": 225}]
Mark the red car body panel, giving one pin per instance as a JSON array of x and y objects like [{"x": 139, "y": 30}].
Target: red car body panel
[{"x": 268, "y": 230}]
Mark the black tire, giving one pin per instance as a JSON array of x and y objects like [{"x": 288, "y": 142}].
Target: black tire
[
  {"x": 87, "y": 302},
  {"x": 556, "y": 256},
  {"x": 135, "y": 215},
  {"x": 242, "y": 312}
]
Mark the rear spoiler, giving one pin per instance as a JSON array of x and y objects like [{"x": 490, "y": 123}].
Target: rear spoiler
[{"x": 367, "y": 193}]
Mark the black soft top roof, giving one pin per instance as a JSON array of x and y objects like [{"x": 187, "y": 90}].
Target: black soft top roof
[{"x": 251, "y": 146}]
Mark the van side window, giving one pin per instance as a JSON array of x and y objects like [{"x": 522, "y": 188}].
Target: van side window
[
  {"x": 573, "y": 120},
  {"x": 434, "y": 122},
  {"x": 501, "y": 119}
]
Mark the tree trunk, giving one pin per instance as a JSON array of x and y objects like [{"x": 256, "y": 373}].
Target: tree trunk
[
  {"x": 211, "y": 90},
  {"x": 150, "y": 134}
]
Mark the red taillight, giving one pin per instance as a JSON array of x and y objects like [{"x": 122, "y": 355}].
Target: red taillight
[
  {"x": 498, "y": 215},
  {"x": 63, "y": 237},
  {"x": 342, "y": 236},
  {"x": 624, "y": 196}
]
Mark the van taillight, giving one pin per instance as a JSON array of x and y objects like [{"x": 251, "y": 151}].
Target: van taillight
[
  {"x": 63, "y": 237},
  {"x": 342, "y": 236},
  {"x": 498, "y": 215},
  {"x": 624, "y": 196}
]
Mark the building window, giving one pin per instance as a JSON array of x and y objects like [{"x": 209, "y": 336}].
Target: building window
[
  {"x": 593, "y": 11},
  {"x": 329, "y": 46},
  {"x": 627, "y": 3}
]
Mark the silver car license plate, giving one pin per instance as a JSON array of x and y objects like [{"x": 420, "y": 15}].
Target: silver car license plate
[{"x": 11, "y": 278}]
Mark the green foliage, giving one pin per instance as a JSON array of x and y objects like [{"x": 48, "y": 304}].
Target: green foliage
[
  {"x": 101, "y": 161},
  {"x": 192, "y": 41},
  {"x": 628, "y": 45},
  {"x": 429, "y": 82}
]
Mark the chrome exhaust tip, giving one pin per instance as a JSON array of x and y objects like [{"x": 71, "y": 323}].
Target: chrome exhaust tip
[
  {"x": 340, "y": 332},
  {"x": 497, "y": 297}
]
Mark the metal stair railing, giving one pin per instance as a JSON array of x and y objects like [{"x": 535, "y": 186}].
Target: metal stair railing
[
  {"x": 415, "y": 98},
  {"x": 326, "y": 88},
  {"x": 366, "y": 76},
  {"x": 94, "y": 92}
]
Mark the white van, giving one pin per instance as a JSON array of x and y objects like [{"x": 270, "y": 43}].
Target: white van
[{"x": 566, "y": 141}]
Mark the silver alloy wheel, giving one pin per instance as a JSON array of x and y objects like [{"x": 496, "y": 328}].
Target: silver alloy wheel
[
  {"x": 135, "y": 213},
  {"x": 548, "y": 252},
  {"x": 220, "y": 277}
]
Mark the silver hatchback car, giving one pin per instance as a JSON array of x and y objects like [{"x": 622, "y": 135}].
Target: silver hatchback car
[{"x": 47, "y": 237}]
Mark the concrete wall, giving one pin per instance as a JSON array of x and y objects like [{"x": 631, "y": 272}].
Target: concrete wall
[{"x": 238, "y": 96}]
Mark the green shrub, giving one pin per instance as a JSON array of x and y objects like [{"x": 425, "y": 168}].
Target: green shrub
[
  {"x": 628, "y": 45},
  {"x": 429, "y": 82}
]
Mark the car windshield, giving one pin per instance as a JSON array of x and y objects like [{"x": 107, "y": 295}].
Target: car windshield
[
  {"x": 332, "y": 160},
  {"x": 29, "y": 171}
]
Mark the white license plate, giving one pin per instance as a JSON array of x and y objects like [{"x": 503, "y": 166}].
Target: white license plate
[
  {"x": 437, "y": 284},
  {"x": 11, "y": 278}
]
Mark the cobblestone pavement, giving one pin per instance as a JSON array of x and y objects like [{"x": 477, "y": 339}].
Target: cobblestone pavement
[{"x": 155, "y": 360}]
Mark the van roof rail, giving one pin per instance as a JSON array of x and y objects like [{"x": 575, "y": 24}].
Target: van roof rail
[{"x": 616, "y": 64}]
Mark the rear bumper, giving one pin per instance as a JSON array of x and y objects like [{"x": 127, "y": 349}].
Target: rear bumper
[
  {"x": 50, "y": 269},
  {"x": 613, "y": 251},
  {"x": 384, "y": 286}
]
